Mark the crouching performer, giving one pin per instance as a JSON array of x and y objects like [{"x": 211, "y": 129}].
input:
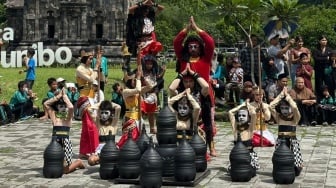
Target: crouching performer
[
  {"x": 60, "y": 111},
  {"x": 187, "y": 111},
  {"x": 106, "y": 121},
  {"x": 286, "y": 113},
  {"x": 243, "y": 119}
]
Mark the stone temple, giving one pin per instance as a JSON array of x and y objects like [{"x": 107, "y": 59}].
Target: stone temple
[{"x": 73, "y": 23}]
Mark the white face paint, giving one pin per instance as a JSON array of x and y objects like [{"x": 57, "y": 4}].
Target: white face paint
[
  {"x": 285, "y": 110},
  {"x": 242, "y": 116},
  {"x": 61, "y": 107},
  {"x": 104, "y": 115},
  {"x": 183, "y": 109}
]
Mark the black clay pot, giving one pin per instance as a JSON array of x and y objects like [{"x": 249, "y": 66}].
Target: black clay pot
[
  {"x": 151, "y": 168},
  {"x": 129, "y": 159},
  {"x": 53, "y": 160},
  {"x": 167, "y": 153},
  {"x": 166, "y": 124},
  {"x": 108, "y": 159},
  {"x": 185, "y": 169},
  {"x": 283, "y": 164},
  {"x": 143, "y": 140},
  {"x": 240, "y": 159},
  {"x": 200, "y": 148}
]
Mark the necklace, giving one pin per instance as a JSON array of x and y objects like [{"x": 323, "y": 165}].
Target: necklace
[{"x": 61, "y": 115}]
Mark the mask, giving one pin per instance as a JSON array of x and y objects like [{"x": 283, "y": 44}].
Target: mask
[
  {"x": 285, "y": 110},
  {"x": 25, "y": 89},
  {"x": 104, "y": 115},
  {"x": 183, "y": 109},
  {"x": 61, "y": 108},
  {"x": 242, "y": 116}
]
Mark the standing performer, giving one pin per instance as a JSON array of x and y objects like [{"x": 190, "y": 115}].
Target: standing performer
[
  {"x": 150, "y": 100},
  {"x": 85, "y": 77},
  {"x": 286, "y": 113},
  {"x": 243, "y": 118},
  {"x": 140, "y": 28},
  {"x": 132, "y": 97},
  {"x": 60, "y": 111},
  {"x": 106, "y": 121},
  {"x": 197, "y": 53}
]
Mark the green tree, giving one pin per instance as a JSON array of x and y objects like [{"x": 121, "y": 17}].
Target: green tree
[
  {"x": 314, "y": 22},
  {"x": 2, "y": 13},
  {"x": 284, "y": 13}
]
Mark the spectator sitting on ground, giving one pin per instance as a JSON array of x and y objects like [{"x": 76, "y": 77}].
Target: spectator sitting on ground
[
  {"x": 306, "y": 102},
  {"x": 217, "y": 79},
  {"x": 327, "y": 108},
  {"x": 21, "y": 102},
  {"x": 53, "y": 90},
  {"x": 275, "y": 89},
  {"x": 73, "y": 95},
  {"x": 235, "y": 80},
  {"x": 246, "y": 92}
]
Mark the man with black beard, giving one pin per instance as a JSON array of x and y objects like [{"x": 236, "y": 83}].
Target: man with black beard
[
  {"x": 243, "y": 120},
  {"x": 106, "y": 121},
  {"x": 286, "y": 113}
]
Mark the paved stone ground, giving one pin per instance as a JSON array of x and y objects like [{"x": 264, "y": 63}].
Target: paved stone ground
[{"x": 22, "y": 145}]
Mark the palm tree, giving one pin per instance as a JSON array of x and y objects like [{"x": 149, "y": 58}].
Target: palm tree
[{"x": 282, "y": 16}]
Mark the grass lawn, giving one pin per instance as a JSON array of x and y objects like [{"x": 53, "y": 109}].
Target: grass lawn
[{"x": 10, "y": 78}]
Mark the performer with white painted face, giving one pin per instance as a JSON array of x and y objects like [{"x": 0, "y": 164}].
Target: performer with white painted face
[
  {"x": 243, "y": 118},
  {"x": 286, "y": 113},
  {"x": 187, "y": 111},
  {"x": 106, "y": 121},
  {"x": 60, "y": 111}
]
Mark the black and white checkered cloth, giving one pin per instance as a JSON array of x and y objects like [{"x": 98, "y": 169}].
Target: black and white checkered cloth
[{"x": 295, "y": 147}]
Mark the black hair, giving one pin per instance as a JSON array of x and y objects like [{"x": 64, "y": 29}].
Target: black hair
[
  {"x": 31, "y": 51},
  {"x": 51, "y": 80},
  {"x": 115, "y": 86},
  {"x": 58, "y": 102},
  {"x": 21, "y": 84},
  {"x": 281, "y": 76},
  {"x": 106, "y": 105},
  {"x": 129, "y": 83},
  {"x": 84, "y": 59},
  {"x": 220, "y": 58},
  {"x": 298, "y": 38},
  {"x": 282, "y": 102},
  {"x": 151, "y": 58}
]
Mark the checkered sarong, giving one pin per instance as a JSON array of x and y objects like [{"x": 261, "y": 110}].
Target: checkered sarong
[
  {"x": 67, "y": 147},
  {"x": 254, "y": 160},
  {"x": 295, "y": 148}
]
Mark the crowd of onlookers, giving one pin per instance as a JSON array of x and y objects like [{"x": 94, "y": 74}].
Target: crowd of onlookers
[
  {"x": 286, "y": 59},
  {"x": 232, "y": 78}
]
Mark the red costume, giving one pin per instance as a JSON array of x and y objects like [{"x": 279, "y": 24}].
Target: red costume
[
  {"x": 203, "y": 65},
  {"x": 89, "y": 139}
]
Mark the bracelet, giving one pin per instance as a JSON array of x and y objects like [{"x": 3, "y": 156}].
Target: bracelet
[
  {"x": 179, "y": 76},
  {"x": 139, "y": 4},
  {"x": 196, "y": 76},
  {"x": 155, "y": 5}
]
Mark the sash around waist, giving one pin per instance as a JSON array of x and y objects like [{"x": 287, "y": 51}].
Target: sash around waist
[{"x": 61, "y": 131}]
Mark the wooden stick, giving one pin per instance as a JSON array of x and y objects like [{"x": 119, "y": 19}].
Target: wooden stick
[{"x": 260, "y": 94}]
